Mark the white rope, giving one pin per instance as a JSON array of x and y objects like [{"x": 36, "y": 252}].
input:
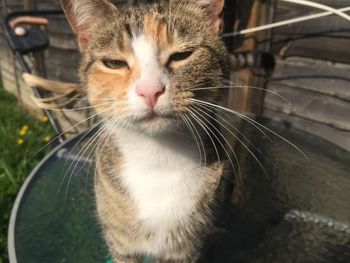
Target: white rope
[
  {"x": 319, "y": 6},
  {"x": 331, "y": 11}
]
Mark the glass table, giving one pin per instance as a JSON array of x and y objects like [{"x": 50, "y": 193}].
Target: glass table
[{"x": 297, "y": 210}]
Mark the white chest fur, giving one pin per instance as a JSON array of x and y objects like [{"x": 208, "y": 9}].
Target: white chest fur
[{"x": 164, "y": 182}]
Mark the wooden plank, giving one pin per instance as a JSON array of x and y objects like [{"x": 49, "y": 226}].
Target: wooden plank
[
  {"x": 338, "y": 137},
  {"x": 14, "y": 6},
  {"x": 332, "y": 49},
  {"x": 49, "y": 5},
  {"x": 29, "y": 4},
  {"x": 59, "y": 25},
  {"x": 8, "y": 69},
  {"x": 9, "y": 81},
  {"x": 310, "y": 105},
  {"x": 331, "y": 79},
  {"x": 71, "y": 57},
  {"x": 62, "y": 69},
  {"x": 326, "y": 38},
  {"x": 63, "y": 41}
]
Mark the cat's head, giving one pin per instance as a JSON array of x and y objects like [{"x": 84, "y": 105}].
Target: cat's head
[{"x": 144, "y": 62}]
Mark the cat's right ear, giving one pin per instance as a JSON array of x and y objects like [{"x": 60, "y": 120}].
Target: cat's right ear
[{"x": 82, "y": 14}]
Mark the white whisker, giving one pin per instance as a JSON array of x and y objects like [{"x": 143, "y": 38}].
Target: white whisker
[
  {"x": 194, "y": 116},
  {"x": 77, "y": 160},
  {"x": 222, "y": 145},
  {"x": 232, "y": 126},
  {"x": 234, "y": 135},
  {"x": 114, "y": 122},
  {"x": 244, "y": 117},
  {"x": 67, "y": 130},
  {"x": 188, "y": 125},
  {"x": 72, "y": 151},
  {"x": 105, "y": 136},
  {"x": 255, "y": 122},
  {"x": 243, "y": 87}
]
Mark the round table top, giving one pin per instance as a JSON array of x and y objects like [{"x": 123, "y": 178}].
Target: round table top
[{"x": 297, "y": 210}]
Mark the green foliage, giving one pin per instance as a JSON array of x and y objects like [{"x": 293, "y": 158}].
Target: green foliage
[{"x": 21, "y": 136}]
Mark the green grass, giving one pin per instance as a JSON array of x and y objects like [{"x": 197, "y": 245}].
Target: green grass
[{"x": 21, "y": 136}]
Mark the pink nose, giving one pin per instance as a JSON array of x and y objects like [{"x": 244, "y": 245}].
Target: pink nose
[{"x": 150, "y": 93}]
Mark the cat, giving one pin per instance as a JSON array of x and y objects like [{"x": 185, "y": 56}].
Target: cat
[{"x": 149, "y": 68}]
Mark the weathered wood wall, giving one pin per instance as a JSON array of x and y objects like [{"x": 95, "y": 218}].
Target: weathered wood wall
[{"x": 312, "y": 72}]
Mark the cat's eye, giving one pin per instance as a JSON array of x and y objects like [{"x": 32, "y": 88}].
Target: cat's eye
[
  {"x": 179, "y": 56},
  {"x": 115, "y": 64}
]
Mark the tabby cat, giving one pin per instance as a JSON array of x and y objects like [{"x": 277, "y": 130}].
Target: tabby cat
[{"x": 149, "y": 67}]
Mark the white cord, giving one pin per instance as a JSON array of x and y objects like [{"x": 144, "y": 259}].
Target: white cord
[
  {"x": 290, "y": 21},
  {"x": 319, "y": 6}
]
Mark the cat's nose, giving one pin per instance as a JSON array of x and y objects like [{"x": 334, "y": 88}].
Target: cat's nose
[{"x": 150, "y": 93}]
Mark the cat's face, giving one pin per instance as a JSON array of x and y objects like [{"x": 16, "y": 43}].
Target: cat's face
[{"x": 142, "y": 63}]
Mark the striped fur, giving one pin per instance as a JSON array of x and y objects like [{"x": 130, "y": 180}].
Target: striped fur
[{"x": 155, "y": 195}]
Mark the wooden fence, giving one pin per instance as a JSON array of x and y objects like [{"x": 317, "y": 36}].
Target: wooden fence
[{"x": 312, "y": 72}]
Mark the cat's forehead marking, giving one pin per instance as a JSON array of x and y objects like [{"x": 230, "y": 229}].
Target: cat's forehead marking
[
  {"x": 144, "y": 49},
  {"x": 146, "y": 55},
  {"x": 156, "y": 30},
  {"x": 147, "y": 45}
]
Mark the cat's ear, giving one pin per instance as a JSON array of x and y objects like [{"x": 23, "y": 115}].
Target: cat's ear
[
  {"x": 82, "y": 14},
  {"x": 214, "y": 11}
]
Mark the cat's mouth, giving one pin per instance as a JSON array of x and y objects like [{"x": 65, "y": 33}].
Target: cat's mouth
[
  {"x": 155, "y": 123},
  {"x": 153, "y": 116}
]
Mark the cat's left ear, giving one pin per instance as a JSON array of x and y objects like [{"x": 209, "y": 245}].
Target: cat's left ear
[{"x": 214, "y": 11}]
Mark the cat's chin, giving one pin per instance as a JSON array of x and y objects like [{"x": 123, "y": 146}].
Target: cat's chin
[
  {"x": 154, "y": 125},
  {"x": 157, "y": 125}
]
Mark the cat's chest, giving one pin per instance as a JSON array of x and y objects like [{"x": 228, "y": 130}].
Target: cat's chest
[
  {"x": 164, "y": 184},
  {"x": 162, "y": 196}
]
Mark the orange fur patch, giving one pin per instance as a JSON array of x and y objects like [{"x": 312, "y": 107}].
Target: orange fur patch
[
  {"x": 111, "y": 84},
  {"x": 156, "y": 30}
]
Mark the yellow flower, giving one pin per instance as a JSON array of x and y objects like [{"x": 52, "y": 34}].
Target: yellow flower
[
  {"x": 47, "y": 138},
  {"x": 44, "y": 118},
  {"x": 20, "y": 141},
  {"x": 22, "y": 132}
]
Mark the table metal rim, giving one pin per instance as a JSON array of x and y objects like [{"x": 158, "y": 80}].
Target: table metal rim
[{"x": 13, "y": 217}]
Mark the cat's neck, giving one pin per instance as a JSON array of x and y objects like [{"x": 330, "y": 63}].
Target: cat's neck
[{"x": 169, "y": 148}]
